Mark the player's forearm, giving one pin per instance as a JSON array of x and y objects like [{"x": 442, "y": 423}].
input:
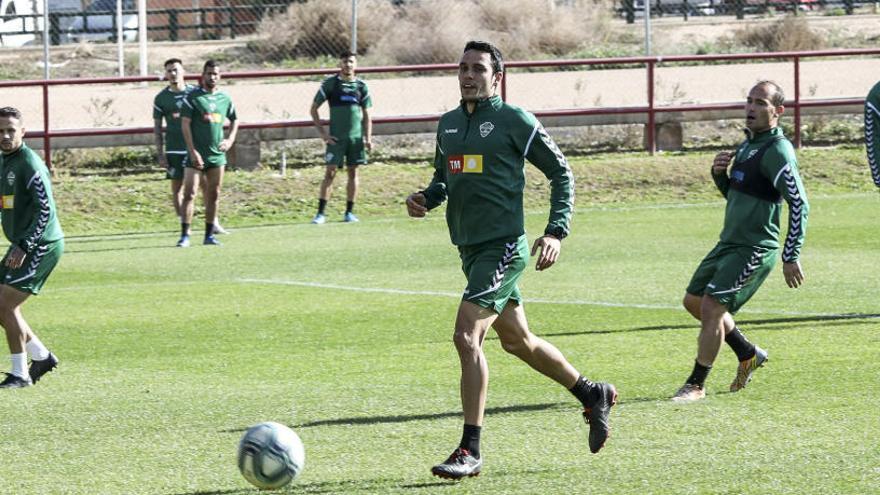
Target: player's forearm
[
  {"x": 187, "y": 135},
  {"x": 316, "y": 121},
  {"x": 233, "y": 132}
]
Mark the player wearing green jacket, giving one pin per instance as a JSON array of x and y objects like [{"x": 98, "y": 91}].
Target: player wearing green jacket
[
  {"x": 351, "y": 131},
  {"x": 763, "y": 174},
  {"x": 872, "y": 131},
  {"x": 203, "y": 114},
  {"x": 479, "y": 170},
  {"x": 35, "y": 246}
]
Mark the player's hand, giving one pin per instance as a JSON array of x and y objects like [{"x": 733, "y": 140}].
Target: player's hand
[
  {"x": 415, "y": 205},
  {"x": 368, "y": 144},
  {"x": 197, "y": 161},
  {"x": 329, "y": 140},
  {"x": 721, "y": 162},
  {"x": 547, "y": 247},
  {"x": 794, "y": 274},
  {"x": 14, "y": 258},
  {"x": 225, "y": 145}
]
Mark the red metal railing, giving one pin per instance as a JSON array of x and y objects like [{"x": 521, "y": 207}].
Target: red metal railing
[{"x": 651, "y": 110}]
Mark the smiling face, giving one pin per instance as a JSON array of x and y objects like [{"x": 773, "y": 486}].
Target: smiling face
[
  {"x": 11, "y": 134},
  {"x": 476, "y": 78},
  {"x": 761, "y": 113}
]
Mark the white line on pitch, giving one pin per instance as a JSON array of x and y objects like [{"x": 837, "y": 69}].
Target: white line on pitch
[{"x": 382, "y": 290}]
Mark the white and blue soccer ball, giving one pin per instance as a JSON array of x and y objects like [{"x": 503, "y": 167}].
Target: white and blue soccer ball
[{"x": 270, "y": 455}]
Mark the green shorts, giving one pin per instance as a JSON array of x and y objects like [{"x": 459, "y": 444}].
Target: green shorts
[
  {"x": 175, "y": 165},
  {"x": 732, "y": 274},
  {"x": 187, "y": 163},
  {"x": 35, "y": 270},
  {"x": 492, "y": 270},
  {"x": 346, "y": 151}
]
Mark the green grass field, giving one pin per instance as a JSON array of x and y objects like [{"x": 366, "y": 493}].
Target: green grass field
[{"x": 343, "y": 332}]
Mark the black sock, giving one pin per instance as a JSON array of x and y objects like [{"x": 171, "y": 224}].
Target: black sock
[
  {"x": 209, "y": 229},
  {"x": 184, "y": 229},
  {"x": 470, "y": 440},
  {"x": 349, "y": 205},
  {"x": 585, "y": 391},
  {"x": 322, "y": 203},
  {"x": 741, "y": 346},
  {"x": 698, "y": 376}
]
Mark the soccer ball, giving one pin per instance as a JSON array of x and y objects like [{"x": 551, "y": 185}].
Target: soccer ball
[{"x": 270, "y": 455}]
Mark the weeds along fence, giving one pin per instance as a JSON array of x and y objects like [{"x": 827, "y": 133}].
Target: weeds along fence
[{"x": 648, "y": 113}]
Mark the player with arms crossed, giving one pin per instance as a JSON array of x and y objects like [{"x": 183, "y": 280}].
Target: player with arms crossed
[
  {"x": 479, "y": 167},
  {"x": 351, "y": 131},
  {"x": 170, "y": 146},
  {"x": 764, "y": 172},
  {"x": 872, "y": 132},
  {"x": 203, "y": 114},
  {"x": 36, "y": 242}
]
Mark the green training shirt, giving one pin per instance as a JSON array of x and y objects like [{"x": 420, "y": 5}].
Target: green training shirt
[
  {"x": 872, "y": 131},
  {"x": 764, "y": 172},
  {"x": 28, "y": 209},
  {"x": 208, "y": 112},
  {"x": 347, "y": 99},
  {"x": 167, "y": 105},
  {"x": 479, "y": 166}
]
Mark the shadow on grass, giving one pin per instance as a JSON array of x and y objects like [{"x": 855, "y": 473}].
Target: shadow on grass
[
  {"x": 169, "y": 244},
  {"x": 784, "y": 322}
]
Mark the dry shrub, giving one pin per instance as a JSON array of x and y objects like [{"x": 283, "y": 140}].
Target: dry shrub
[
  {"x": 435, "y": 31},
  {"x": 320, "y": 28},
  {"x": 791, "y": 33},
  {"x": 430, "y": 32}
]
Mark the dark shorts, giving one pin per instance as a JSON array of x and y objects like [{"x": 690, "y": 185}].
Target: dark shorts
[
  {"x": 346, "y": 151},
  {"x": 187, "y": 163},
  {"x": 492, "y": 270},
  {"x": 732, "y": 274},
  {"x": 175, "y": 165},
  {"x": 35, "y": 270}
]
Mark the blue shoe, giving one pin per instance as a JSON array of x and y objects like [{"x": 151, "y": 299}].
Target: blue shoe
[
  {"x": 211, "y": 241},
  {"x": 319, "y": 219},
  {"x": 184, "y": 241},
  {"x": 349, "y": 217}
]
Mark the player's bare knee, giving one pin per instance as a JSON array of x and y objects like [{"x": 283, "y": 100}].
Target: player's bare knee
[{"x": 466, "y": 341}]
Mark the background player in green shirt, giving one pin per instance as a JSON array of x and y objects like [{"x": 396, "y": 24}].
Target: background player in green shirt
[
  {"x": 764, "y": 172},
  {"x": 872, "y": 131},
  {"x": 170, "y": 146},
  {"x": 479, "y": 167},
  {"x": 351, "y": 131},
  {"x": 35, "y": 246},
  {"x": 203, "y": 114}
]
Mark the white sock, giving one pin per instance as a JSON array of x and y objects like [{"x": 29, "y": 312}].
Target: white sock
[
  {"x": 36, "y": 349},
  {"x": 19, "y": 365}
]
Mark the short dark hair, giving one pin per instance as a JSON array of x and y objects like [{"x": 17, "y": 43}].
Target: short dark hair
[
  {"x": 492, "y": 50},
  {"x": 778, "y": 96},
  {"x": 171, "y": 61},
  {"x": 210, "y": 64},
  {"x": 10, "y": 112},
  {"x": 346, "y": 54}
]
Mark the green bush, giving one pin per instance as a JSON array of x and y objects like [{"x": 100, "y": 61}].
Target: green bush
[{"x": 792, "y": 33}]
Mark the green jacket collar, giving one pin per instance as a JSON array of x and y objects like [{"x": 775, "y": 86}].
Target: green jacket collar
[
  {"x": 490, "y": 103},
  {"x": 763, "y": 135}
]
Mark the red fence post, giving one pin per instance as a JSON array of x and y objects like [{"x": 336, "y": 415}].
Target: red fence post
[
  {"x": 651, "y": 145},
  {"x": 47, "y": 147},
  {"x": 797, "y": 102}
]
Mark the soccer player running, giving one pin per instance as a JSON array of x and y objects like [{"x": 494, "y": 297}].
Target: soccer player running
[
  {"x": 170, "y": 147},
  {"x": 351, "y": 131},
  {"x": 872, "y": 131},
  {"x": 764, "y": 172},
  {"x": 479, "y": 167},
  {"x": 36, "y": 242},
  {"x": 203, "y": 114}
]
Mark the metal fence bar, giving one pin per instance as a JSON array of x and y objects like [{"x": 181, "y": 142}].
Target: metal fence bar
[{"x": 651, "y": 109}]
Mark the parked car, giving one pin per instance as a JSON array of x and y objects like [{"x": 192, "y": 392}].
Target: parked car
[
  {"x": 97, "y": 22},
  {"x": 20, "y": 24}
]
